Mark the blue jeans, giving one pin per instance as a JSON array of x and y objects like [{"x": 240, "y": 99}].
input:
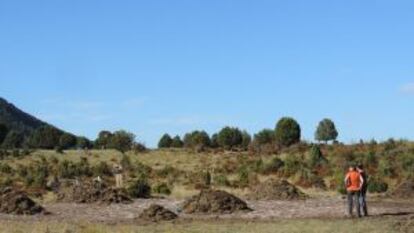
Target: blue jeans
[
  {"x": 353, "y": 197},
  {"x": 363, "y": 202}
]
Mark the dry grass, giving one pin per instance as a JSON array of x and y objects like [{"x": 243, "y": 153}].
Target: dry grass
[{"x": 299, "y": 226}]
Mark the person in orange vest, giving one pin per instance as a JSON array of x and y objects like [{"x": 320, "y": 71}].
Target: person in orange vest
[{"x": 354, "y": 183}]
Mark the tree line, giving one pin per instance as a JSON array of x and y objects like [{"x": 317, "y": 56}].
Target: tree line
[{"x": 286, "y": 133}]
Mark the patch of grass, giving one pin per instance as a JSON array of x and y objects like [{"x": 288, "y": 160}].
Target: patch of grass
[{"x": 379, "y": 225}]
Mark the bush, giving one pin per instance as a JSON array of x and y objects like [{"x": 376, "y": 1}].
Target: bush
[
  {"x": 221, "y": 180},
  {"x": 315, "y": 157},
  {"x": 287, "y": 132},
  {"x": 102, "y": 169},
  {"x": 5, "y": 168},
  {"x": 274, "y": 166},
  {"x": 122, "y": 141},
  {"x": 126, "y": 162},
  {"x": 162, "y": 189},
  {"x": 292, "y": 165},
  {"x": 45, "y": 137},
  {"x": 67, "y": 141},
  {"x": 196, "y": 139},
  {"x": 165, "y": 141},
  {"x": 177, "y": 142},
  {"x": 230, "y": 138},
  {"x": 326, "y": 131},
  {"x": 139, "y": 189},
  {"x": 376, "y": 185},
  {"x": 207, "y": 178},
  {"x": 69, "y": 170},
  {"x": 266, "y": 136}
]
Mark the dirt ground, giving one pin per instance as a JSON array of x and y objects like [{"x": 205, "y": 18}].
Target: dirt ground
[{"x": 319, "y": 208}]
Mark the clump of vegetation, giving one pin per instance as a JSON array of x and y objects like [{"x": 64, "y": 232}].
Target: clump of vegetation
[
  {"x": 376, "y": 185},
  {"x": 139, "y": 188},
  {"x": 165, "y": 141},
  {"x": 162, "y": 188},
  {"x": 221, "y": 180},
  {"x": 287, "y": 132}
]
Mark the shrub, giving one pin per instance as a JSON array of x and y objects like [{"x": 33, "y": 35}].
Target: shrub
[
  {"x": 376, "y": 185},
  {"x": 162, "y": 188},
  {"x": 102, "y": 169},
  {"x": 5, "y": 168},
  {"x": 266, "y": 136},
  {"x": 126, "y": 162},
  {"x": 287, "y": 132},
  {"x": 206, "y": 178},
  {"x": 292, "y": 165},
  {"x": 139, "y": 189},
  {"x": 177, "y": 142},
  {"x": 67, "y": 141},
  {"x": 165, "y": 141},
  {"x": 274, "y": 166},
  {"x": 167, "y": 171},
  {"x": 14, "y": 139},
  {"x": 45, "y": 137},
  {"x": 230, "y": 137},
  {"x": 196, "y": 139},
  {"x": 221, "y": 180},
  {"x": 69, "y": 170},
  {"x": 122, "y": 141},
  {"x": 326, "y": 131},
  {"x": 243, "y": 176},
  {"x": 315, "y": 157}
]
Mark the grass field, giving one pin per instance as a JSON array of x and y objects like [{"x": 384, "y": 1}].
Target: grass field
[{"x": 374, "y": 225}]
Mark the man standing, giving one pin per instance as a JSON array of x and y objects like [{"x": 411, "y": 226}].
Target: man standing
[
  {"x": 363, "y": 192},
  {"x": 354, "y": 182}
]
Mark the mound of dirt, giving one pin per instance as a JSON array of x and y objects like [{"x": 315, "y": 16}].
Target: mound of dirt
[
  {"x": 156, "y": 213},
  {"x": 273, "y": 189},
  {"x": 404, "y": 190},
  {"x": 214, "y": 201},
  {"x": 90, "y": 192},
  {"x": 17, "y": 202}
]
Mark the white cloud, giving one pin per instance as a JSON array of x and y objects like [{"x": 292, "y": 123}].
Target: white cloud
[{"x": 408, "y": 88}]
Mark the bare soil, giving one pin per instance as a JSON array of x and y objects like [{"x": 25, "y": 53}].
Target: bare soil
[{"x": 320, "y": 208}]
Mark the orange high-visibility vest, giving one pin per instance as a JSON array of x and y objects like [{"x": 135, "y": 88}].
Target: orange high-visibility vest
[{"x": 354, "y": 181}]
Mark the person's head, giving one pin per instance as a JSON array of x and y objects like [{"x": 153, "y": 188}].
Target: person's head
[{"x": 351, "y": 168}]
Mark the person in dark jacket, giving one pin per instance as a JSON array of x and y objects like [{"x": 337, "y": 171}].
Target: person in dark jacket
[{"x": 363, "y": 192}]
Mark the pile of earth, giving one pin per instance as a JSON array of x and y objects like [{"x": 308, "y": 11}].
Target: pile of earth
[
  {"x": 17, "y": 202},
  {"x": 156, "y": 213},
  {"x": 274, "y": 189},
  {"x": 214, "y": 201},
  {"x": 93, "y": 192},
  {"x": 405, "y": 190}
]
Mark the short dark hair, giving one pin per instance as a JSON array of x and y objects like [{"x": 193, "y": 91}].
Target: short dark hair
[{"x": 360, "y": 166}]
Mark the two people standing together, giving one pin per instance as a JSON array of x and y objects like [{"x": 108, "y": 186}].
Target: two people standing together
[{"x": 356, "y": 186}]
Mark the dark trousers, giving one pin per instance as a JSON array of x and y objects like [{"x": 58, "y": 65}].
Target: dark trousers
[
  {"x": 363, "y": 202},
  {"x": 353, "y": 197}
]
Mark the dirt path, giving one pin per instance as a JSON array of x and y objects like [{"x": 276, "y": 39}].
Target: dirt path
[{"x": 263, "y": 210}]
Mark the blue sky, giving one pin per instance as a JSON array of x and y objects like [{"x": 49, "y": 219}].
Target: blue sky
[{"x": 174, "y": 66}]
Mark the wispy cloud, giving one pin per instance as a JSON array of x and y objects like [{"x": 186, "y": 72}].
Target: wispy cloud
[{"x": 408, "y": 88}]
